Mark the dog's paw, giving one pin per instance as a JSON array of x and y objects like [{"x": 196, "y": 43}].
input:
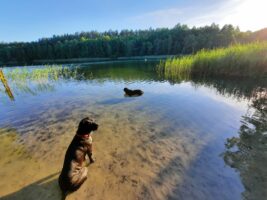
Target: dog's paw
[{"x": 92, "y": 160}]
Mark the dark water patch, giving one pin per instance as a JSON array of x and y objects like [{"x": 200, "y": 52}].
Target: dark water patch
[{"x": 115, "y": 101}]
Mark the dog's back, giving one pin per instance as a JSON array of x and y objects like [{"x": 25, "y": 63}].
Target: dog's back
[
  {"x": 74, "y": 158},
  {"x": 133, "y": 92}
]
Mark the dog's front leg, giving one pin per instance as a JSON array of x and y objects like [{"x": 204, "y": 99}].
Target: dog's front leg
[
  {"x": 90, "y": 153},
  {"x": 91, "y": 159}
]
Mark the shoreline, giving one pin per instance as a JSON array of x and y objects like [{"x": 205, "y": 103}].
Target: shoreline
[{"x": 85, "y": 60}]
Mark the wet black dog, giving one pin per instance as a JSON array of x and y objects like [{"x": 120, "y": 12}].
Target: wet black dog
[
  {"x": 132, "y": 93},
  {"x": 74, "y": 173}
]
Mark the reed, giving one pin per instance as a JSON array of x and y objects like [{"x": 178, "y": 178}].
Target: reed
[
  {"x": 6, "y": 86},
  {"x": 46, "y": 73},
  {"x": 240, "y": 60},
  {"x": 33, "y": 80}
]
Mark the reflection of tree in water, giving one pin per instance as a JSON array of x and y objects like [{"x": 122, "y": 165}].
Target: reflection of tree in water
[
  {"x": 123, "y": 71},
  {"x": 248, "y": 152}
]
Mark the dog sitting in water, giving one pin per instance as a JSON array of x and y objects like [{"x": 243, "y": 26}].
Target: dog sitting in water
[
  {"x": 131, "y": 93},
  {"x": 74, "y": 171}
]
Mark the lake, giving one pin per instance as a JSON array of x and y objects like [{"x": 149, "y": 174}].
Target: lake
[{"x": 182, "y": 139}]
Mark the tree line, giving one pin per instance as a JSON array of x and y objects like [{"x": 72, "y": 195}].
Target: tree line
[{"x": 112, "y": 44}]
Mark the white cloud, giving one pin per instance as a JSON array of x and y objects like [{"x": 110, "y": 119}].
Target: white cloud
[
  {"x": 247, "y": 14},
  {"x": 159, "y": 18}
]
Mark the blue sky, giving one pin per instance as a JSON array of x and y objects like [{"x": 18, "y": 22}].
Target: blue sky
[{"x": 29, "y": 20}]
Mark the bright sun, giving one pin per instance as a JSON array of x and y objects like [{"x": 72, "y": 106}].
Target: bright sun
[{"x": 248, "y": 15}]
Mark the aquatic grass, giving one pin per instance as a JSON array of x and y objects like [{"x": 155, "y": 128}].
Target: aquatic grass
[
  {"x": 241, "y": 60},
  {"x": 33, "y": 80},
  {"x": 40, "y": 77},
  {"x": 49, "y": 72}
]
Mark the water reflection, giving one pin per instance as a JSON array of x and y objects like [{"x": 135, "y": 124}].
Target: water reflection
[
  {"x": 120, "y": 72},
  {"x": 163, "y": 142},
  {"x": 247, "y": 153},
  {"x": 34, "y": 80}
]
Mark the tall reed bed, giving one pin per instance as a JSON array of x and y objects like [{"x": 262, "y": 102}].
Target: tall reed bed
[{"x": 241, "y": 60}]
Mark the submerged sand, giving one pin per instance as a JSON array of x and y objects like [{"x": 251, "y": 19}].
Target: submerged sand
[{"x": 137, "y": 156}]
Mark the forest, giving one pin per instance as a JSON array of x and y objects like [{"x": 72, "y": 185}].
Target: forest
[{"x": 178, "y": 40}]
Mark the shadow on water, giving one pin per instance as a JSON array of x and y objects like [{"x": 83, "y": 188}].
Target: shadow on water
[
  {"x": 46, "y": 188},
  {"x": 115, "y": 101},
  {"x": 200, "y": 180}
]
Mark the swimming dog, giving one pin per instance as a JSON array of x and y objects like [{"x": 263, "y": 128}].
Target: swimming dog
[
  {"x": 74, "y": 173},
  {"x": 131, "y": 93}
]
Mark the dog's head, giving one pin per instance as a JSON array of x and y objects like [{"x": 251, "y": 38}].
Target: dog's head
[
  {"x": 125, "y": 89},
  {"x": 86, "y": 125}
]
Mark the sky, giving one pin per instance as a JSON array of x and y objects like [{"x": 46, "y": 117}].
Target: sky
[{"x": 30, "y": 20}]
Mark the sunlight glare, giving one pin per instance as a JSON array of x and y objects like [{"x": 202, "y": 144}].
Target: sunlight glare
[{"x": 248, "y": 15}]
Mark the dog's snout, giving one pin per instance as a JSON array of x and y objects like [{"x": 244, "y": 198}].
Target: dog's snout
[{"x": 95, "y": 126}]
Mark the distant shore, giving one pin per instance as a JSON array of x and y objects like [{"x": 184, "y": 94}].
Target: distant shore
[{"x": 86, "y": 60}]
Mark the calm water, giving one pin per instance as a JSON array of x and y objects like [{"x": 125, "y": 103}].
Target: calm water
[{"x": 194, "y": 139}]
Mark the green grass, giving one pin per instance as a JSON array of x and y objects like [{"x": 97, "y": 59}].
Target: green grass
[
  {"x": 46, "y": 73},
  {"x": 34, "y": 80},
  {"x": 241, "y": 60}
]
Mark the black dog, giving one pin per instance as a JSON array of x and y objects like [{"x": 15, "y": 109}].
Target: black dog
[
  {"x": 74, "y": 173},
  {"x": 131, "y": 93}
]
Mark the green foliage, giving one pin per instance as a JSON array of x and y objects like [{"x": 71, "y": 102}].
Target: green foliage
[
  {"x": 242, "y": 60},
  {"x": 113, "y": 44}
]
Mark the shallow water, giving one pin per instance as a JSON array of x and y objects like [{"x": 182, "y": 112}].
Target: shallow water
[{"x": 193, "y": 139}]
